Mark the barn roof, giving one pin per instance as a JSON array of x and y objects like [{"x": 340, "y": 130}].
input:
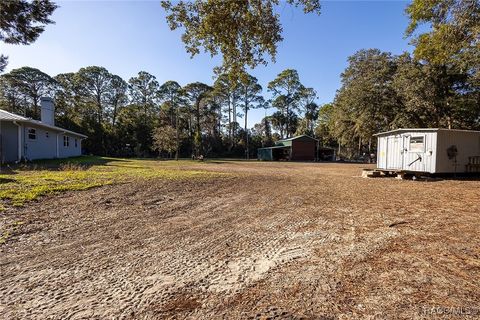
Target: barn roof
[
  {"x": 8, "y": 116},
  {"x": 274, "y": 147},
  {"x": 303, "y": 136},
  {"x": 420, "y": 130}
]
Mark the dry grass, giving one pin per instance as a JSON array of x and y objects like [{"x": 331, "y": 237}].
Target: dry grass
[{"x": 270, "y": 241}]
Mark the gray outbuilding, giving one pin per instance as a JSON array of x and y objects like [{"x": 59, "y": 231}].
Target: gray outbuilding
[
  {"x": 429, "y": 150},
  {"x": 23, "y": 138}
]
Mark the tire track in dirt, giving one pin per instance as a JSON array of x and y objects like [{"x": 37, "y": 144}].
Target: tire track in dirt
[
  {"x": 295, "y": 244},
  {"x": 120, "y": 263}
]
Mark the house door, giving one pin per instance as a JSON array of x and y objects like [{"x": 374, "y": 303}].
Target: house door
[{"x": 394, "y": 153}]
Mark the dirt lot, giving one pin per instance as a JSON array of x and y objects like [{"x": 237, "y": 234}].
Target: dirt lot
[{"x": 270, "y": 241}]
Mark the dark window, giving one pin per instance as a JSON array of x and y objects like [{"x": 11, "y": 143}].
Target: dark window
[
  {"x": 76, "y": 143},
  {"x": 46, "y": 134},
  {"x": 66, "y": 141},
  {"x": 32, "y": 134}
]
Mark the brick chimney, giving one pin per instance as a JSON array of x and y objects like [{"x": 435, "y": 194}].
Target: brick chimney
[{"x": 47, "y": 114}]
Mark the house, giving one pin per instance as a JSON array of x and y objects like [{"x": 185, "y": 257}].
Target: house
[
  {"x": 428, "y": 150},
  {"x": 300, "y": 148},
  {"x": 27, "y": 139}
]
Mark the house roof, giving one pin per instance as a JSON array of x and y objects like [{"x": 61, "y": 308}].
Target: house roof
[
  {"x": 8, "y": 116},
  {"x": 420, "y": 130},
  {"x": 5, "y": 115}
]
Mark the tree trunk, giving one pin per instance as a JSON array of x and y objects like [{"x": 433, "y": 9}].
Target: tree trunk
[
  {"x": 246, "y": 133},
  {"x": 230, "y": 122},
  {"x": 177, "y": 136},
  {"x": 288, "y": 124},
  {"x": 198, "y": 130}
]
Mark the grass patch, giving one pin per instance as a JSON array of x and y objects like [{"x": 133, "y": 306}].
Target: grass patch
[{"x": 28, "y": 182}]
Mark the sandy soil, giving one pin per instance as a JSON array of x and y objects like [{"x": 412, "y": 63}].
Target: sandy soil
[{"x": 272, "y": 241}]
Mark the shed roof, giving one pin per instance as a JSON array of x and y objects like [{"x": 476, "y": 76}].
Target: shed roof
[
  {"x": 8, "y": 116},
  {"x": 396, "y": 131}
]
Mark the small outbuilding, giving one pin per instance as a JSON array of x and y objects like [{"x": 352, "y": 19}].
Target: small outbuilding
[
  {"x": 300, "y": 148},
  {"x": 429, "y": 150},
  {"x": 23, "y": 138}
]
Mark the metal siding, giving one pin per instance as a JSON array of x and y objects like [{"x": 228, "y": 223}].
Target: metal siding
[
  {"x": 382, "y": 153},
  {"x": 394, "y": 153},
  {"x": 303, "y": 150},
  {"x": 264, "y": 154},
  {"x": 420, "y": 161},
  {"x": 394, "y": 150},
  {"x": 9, "y": 142},
  {"x": 467, "y": 143}
]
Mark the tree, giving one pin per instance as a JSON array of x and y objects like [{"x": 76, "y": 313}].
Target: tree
[
  {"x": 197, "y": 94},
  {"x": 454, "y": 34},
  {"x": 249, "y": 90},
  {"x": 242, "y": 31},
  {"x": 10, "y": 98},
  {"x": 164, "y": 139},
  {"x": 172, "y": 94},
  {"x": 118, "y": 96},
  {"x": 434, "y": 96},
  {"x": 287, "y": 91},
  {"x": 325, "y": 125},
  {"x": 451, "y": 45},
  {"x": 3, "y": 62},
  {"x": 228, "y": 95},
  {"x": 367, "y": 102},
  {"x": 21, "y": 22},
  {"x": 144, "y": 92},
  {"x": 31, "y": 84},
  {"x": 94, "y": 84},
  {"x": 68, "y": 112},
  {"x": 309, "y": 109}
]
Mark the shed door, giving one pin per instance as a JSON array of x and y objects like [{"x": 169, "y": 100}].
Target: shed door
[
  {"x": 394, "y": 152},
  {"x": 414, "y": 157}
]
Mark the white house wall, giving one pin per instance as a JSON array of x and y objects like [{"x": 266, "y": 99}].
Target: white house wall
[
  {"x": 71, "y": 150},
  {"x": 9, "y": 141},
  {"x": 43, "y": 147}
]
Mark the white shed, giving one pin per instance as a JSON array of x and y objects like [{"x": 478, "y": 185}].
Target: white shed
[{"x": 428, "y": 150}]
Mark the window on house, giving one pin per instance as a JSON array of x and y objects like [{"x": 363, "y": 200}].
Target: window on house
[
  {"x": 32, "y": 134},
  {"x": 46, "y": 134},
  {"x": 76, "y": 143},
  {"x": 417, "y": 144},
  {"x": 66, "y": 141}
]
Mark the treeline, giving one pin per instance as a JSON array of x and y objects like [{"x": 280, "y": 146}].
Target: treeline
[
  {"x": 142, "y": 118},
  {"x": 139, "y": 117},
  {"x": 437, "y": 86},
  {"x": 381, "y": 91}
]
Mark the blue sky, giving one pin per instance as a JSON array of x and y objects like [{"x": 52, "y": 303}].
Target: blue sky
[{"x": 129, "y": 36}]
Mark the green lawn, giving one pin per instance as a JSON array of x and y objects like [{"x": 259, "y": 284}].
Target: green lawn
[{"x": 20, "y": 184}]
